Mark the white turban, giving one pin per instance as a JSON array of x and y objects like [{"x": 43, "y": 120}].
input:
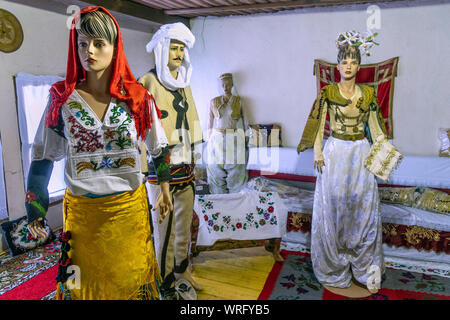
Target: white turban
[{"x": 160, "y": 46}]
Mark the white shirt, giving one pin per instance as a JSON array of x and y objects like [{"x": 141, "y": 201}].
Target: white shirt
[{"x": 101, "y": 157}]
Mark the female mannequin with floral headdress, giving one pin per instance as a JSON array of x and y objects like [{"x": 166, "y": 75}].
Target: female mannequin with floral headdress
[
  {"x": 96, "y": 119},
  {"x": 346, "y": 226}
]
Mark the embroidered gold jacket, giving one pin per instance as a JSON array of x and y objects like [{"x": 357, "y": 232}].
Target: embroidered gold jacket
[{"x": 368, "y": 122}]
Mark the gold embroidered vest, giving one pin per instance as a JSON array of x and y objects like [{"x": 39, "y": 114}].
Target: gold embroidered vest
[{"x": 331, "y": 95}]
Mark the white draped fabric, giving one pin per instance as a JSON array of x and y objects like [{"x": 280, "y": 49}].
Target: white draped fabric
[
  {"x": 226, "y": 168},
  {"x": 346, "y": 235},
  {"x": 32, "y": 99}
]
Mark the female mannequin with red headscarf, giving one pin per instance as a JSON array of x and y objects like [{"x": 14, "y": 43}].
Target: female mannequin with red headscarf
[{"x": 96, "y": 119}]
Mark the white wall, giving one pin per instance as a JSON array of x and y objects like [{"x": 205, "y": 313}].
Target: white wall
[
  {"x": 44, "y": 51},
  {"x": 272, "y": 56}
]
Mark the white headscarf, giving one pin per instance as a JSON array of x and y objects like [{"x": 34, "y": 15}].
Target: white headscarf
[{"x": 160, "y": 46}]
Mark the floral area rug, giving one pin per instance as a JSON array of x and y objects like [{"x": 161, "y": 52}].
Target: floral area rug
[
  {"x": 31, "y": 275},
  {"x": 294, "y": 279}
]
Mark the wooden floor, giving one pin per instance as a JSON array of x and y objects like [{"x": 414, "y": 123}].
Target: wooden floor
[{"x": 233, "y": 274}]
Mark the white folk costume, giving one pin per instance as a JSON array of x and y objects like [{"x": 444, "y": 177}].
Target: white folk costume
[
  {"x": 346, "y": 235},
  {"x": 104, "y": 185},
  {"x": 102, "y": 158},
  {"x": 226, "y": 160},
  {"x": 107, "y": 233},
  {"x": 182, "y": 126}
]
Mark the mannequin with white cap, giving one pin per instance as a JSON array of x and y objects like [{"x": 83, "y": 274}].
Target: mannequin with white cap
[
  {"x": 226, "y": 166},
  {"x": 169, "y": 83}
]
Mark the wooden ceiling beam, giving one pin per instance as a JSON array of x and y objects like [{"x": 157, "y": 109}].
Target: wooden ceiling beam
[
  {"x": 139, "y": 10},
  {"x": 157, "y": 4},
  {"x": 271, "y": 5}
]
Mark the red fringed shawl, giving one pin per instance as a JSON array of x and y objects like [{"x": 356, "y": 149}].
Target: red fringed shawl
[{"x": 123, "y": 85}]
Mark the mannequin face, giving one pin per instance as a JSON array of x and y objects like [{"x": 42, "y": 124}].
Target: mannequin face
[
  {"x": 227, "y": 85},
  {"x": 96, "y": 54},
  {"x": 176, "y": 54},
  {"x": 348, "y": 68}
]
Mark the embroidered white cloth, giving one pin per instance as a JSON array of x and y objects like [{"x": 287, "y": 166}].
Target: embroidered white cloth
[
  {"x": 383, "y": 158},
  {"x": 240, "y": 216},
  {"x": 160, "y": 46}
]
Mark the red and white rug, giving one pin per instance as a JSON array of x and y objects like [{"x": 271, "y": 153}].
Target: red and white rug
[
  {"x": 30, "y": 276},
  {"x": 294, "y": 279}
]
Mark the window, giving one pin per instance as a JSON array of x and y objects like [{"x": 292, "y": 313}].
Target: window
[
  {"x": 32, "y": 97},
  {"x": 3, "y": 207}
]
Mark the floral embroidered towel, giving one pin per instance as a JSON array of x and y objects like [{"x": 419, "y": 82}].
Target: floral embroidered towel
[
  {"x": 240, "y": 216},
  {"x": 383, "y": 158}
]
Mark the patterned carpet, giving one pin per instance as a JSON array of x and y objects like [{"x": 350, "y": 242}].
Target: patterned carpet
[
  {"x": 294, "y": 280},
  {"x": 30, "y": 276}
]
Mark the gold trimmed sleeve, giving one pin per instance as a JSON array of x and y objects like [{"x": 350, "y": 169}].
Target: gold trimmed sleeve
[
  {"x": 319, "y": 136},
  {"x": 376, "y": 122},
  {"x": 313, "y": 132}
]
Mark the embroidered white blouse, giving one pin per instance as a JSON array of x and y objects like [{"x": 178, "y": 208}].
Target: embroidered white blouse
[{"x": 101, "y": 157}]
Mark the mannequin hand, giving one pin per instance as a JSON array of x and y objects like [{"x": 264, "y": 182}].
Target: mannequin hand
[
  {"x": 164, "y": 201},
  {"x": 36, "y": 229},
  {"x": 318, "y": 165},
  {"x": 197, "y": 156}
]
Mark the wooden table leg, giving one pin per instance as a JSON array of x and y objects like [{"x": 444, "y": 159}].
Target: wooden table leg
[{"x": 273, "y": 246}]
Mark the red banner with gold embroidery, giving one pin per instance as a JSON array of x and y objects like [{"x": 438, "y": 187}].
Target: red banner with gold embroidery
[{"x": 380, "y": 76}]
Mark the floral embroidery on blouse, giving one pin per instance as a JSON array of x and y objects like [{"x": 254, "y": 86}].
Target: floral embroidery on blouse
[
  {"x": 107, "y": 162},
  {"x": 82, "y": 114},
  {"x": 86, "y": 141},
  {"x": 98, "y": 148},
  {"x": 116, "y": 112},
  {"x": 122, "y": 132}
]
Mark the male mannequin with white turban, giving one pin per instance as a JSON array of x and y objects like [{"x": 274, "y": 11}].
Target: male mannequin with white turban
[{"x": 169, "y": 83}]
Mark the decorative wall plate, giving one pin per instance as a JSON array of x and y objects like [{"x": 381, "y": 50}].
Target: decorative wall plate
[{"x": 11, "y": 34}]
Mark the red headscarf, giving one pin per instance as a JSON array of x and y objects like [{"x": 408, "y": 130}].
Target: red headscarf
[{"x": 123, "y": 85}]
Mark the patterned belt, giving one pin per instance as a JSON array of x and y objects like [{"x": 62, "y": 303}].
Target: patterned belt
[{"x": 352, "y": 137}]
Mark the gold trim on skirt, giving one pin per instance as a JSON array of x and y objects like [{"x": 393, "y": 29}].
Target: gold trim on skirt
[{"x": 111, "y": 245}]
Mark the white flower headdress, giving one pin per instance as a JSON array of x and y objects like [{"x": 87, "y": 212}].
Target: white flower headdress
[{"x": 353, "y": 38}]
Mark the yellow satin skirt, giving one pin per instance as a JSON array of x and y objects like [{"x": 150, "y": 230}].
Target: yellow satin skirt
[{"x": 110, "y": 247}]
